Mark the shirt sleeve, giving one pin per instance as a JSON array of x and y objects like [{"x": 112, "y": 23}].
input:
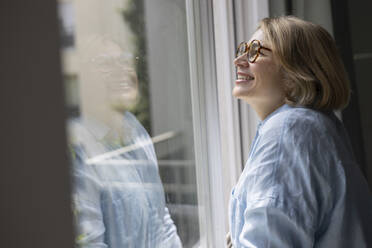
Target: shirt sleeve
[
  {"x": 273, "y": 227},
  {"x": 90, "y": 231},
  {"x": 171, "y": 238},
  {"x": 90, "y": 228},
  {"x": 286, "y": 190}
]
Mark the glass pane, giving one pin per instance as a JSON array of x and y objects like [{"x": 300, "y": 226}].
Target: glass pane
[{"x": 125, "y": 65}]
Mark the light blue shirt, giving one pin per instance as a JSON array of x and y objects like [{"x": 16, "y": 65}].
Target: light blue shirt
[
  {"x": 301, "y": 186},
  {"x": 119, "y": 199}
]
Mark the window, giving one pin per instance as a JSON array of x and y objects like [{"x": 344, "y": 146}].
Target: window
[{"x": 130, "y": 125}]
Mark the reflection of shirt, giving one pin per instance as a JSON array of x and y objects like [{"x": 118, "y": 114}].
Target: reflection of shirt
[
  {"x": 119, "y": 201},
  {"x": 300, "y": 186}
]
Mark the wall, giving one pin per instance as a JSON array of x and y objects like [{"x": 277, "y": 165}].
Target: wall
[
  {"x": 360, "y": 19},
  {"x": 34, "y": 186}
]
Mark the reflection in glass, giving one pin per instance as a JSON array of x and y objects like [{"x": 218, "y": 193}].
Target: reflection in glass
[
  {"x": 118, "y": 196},
  {"x": 130, "y": 126}
]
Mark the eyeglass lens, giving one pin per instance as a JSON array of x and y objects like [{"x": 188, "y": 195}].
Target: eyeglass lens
[
  {"x": 242, "y": 48},
  {"x": 253, "y": 51},
  {"x": 250, "y": 49}
]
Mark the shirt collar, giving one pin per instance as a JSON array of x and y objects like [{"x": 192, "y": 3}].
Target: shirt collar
[
  {"x": 282, "y": 108},
  {"x": 96, "y": 129}
]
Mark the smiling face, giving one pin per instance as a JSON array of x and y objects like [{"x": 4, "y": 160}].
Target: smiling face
[
  {"x": 113, "y": 69},
  {"x": 121, "y": 83},
  {"x": 259, "y": 83}
]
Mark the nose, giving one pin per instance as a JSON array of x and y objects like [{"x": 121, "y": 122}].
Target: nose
[{"x": 241, "y": 61}]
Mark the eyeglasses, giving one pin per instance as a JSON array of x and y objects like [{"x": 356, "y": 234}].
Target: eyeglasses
[{"x": 252, "y": 50}]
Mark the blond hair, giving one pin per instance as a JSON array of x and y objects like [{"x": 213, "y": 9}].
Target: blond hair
[{"x": 314, "y": 75}]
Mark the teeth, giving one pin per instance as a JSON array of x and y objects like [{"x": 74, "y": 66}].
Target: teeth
[{"x": 245, "y": 77}]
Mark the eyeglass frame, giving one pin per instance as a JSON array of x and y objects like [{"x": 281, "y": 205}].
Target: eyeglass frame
[{"x": 248, "y": 46}]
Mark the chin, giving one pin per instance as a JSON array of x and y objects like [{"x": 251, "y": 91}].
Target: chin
[
  {"x": 241, "y": 93},
  {"x": 119, "y": 107},
  {"x": 122, "y": 104}
]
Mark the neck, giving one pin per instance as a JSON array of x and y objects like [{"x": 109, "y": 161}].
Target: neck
[
  {"x": 263, "y": 110},
  {"x": 109, "y": 118}
]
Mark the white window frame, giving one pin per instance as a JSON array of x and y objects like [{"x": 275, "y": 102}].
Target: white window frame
[
  {"x": 223, "y": 128},
  {"x": 206, "y": 122},
  {"x": 203, "y": 94}
]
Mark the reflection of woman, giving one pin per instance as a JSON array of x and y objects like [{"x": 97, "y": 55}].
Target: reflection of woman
[
  {"x": 301, "y": 186},
  {"x": 118, "y": 195}
]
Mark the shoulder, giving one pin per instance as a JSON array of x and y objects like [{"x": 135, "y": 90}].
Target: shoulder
[
  {"x": 299, "y": 141},
  {"x": 301, "y": 124}
]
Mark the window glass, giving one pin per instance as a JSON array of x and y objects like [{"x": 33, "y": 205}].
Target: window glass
[{"x": 125, "y": 67}]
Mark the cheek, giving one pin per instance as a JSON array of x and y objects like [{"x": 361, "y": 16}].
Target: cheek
[
  {"x": 271, "y": 72},
  {"x": 270, "y": 79}
]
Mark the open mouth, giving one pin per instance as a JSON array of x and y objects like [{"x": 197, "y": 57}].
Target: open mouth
[
  {"x": 121, "y": 85},
  {"x": 245, "y": 77}
]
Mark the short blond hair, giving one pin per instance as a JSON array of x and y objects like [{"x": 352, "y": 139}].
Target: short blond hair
[{"x": 314, "y": 74}]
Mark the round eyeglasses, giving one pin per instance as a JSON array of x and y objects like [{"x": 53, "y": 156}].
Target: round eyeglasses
[{"x": 252, "y": 50}]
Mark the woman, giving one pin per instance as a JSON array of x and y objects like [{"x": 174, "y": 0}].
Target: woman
[
  {"x": 118, "y": 195},
  {"x": 301, "y": 186}
]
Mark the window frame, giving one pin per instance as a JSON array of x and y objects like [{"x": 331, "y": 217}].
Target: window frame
[
  {"x": 223, "y": 127},
  {"x": 211, "y": 180},
  {"x": 200, "y": 72}
]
